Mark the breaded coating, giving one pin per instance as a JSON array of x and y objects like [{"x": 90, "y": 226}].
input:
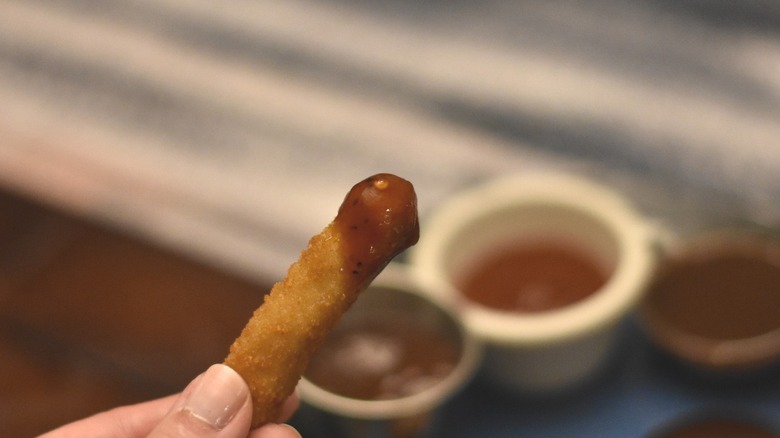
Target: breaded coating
[{"x": 376, "y": 221}]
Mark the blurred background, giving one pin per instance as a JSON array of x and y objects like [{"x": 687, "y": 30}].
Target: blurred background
[{"x": 163, "y": 162}]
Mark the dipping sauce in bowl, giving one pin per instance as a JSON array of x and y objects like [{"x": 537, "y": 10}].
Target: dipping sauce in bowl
[
  {"x": 532, "y": 277},
  {"x": 544, "y": 268},
  {"x": 714, "y": 425},
  {"x": 383, "y": 358},
  {"x": 720, "y": 428},
  {"x": 393, "y": 358},
  {"x": 716, "y": 304}
]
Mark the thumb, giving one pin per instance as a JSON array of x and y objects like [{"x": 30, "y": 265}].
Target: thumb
[{"x": 215, "y": 404}]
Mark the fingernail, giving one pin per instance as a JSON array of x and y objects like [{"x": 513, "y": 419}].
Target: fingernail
[{"x": 216, "y": 397}]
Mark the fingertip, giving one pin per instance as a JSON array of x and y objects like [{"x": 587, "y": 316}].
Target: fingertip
[
  {"x": 216, "y": 400},
  {"x": 217, "y": 397}
]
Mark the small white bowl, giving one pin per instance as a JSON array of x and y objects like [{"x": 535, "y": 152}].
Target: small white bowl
[
  {"x": 541, "y": 351},
  {"x": 397, "y": 292}
]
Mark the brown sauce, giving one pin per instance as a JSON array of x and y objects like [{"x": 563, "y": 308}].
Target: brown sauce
[
  {"x": 377, "y": 220},
  {"x": 382, "y": 359},
  {"x": 715, "y": 428},
  {"x": 721, "y": 295},
  {"x": 533, "y": 277}
]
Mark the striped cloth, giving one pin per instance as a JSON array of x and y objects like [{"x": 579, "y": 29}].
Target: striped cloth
[{"x": 232, "y": 130}]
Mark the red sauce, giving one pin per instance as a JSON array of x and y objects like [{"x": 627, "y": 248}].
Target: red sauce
[
  {"x": 377, "y": 220},
  {"x": 533, "y": 277},
  {"x": 382, "y": 359}
]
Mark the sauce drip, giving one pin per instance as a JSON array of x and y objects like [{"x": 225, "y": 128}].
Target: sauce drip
[
  {"x": 378, "y": 220},
  {"x": 382, "y": 359},
  {"x": 532, "y": 277}
]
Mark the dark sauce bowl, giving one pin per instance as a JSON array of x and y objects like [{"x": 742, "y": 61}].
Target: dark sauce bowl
[
  {"x": 715, "y": 303},
  {"x": 716, "y": 424}
]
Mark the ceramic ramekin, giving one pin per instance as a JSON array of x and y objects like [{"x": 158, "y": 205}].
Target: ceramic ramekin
[
  {"x": 550, "y": 350},
  {"x": 396, "y": 292}
]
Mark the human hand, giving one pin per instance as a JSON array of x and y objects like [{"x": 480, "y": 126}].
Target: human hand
[{"x": 215, "y": 404}]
